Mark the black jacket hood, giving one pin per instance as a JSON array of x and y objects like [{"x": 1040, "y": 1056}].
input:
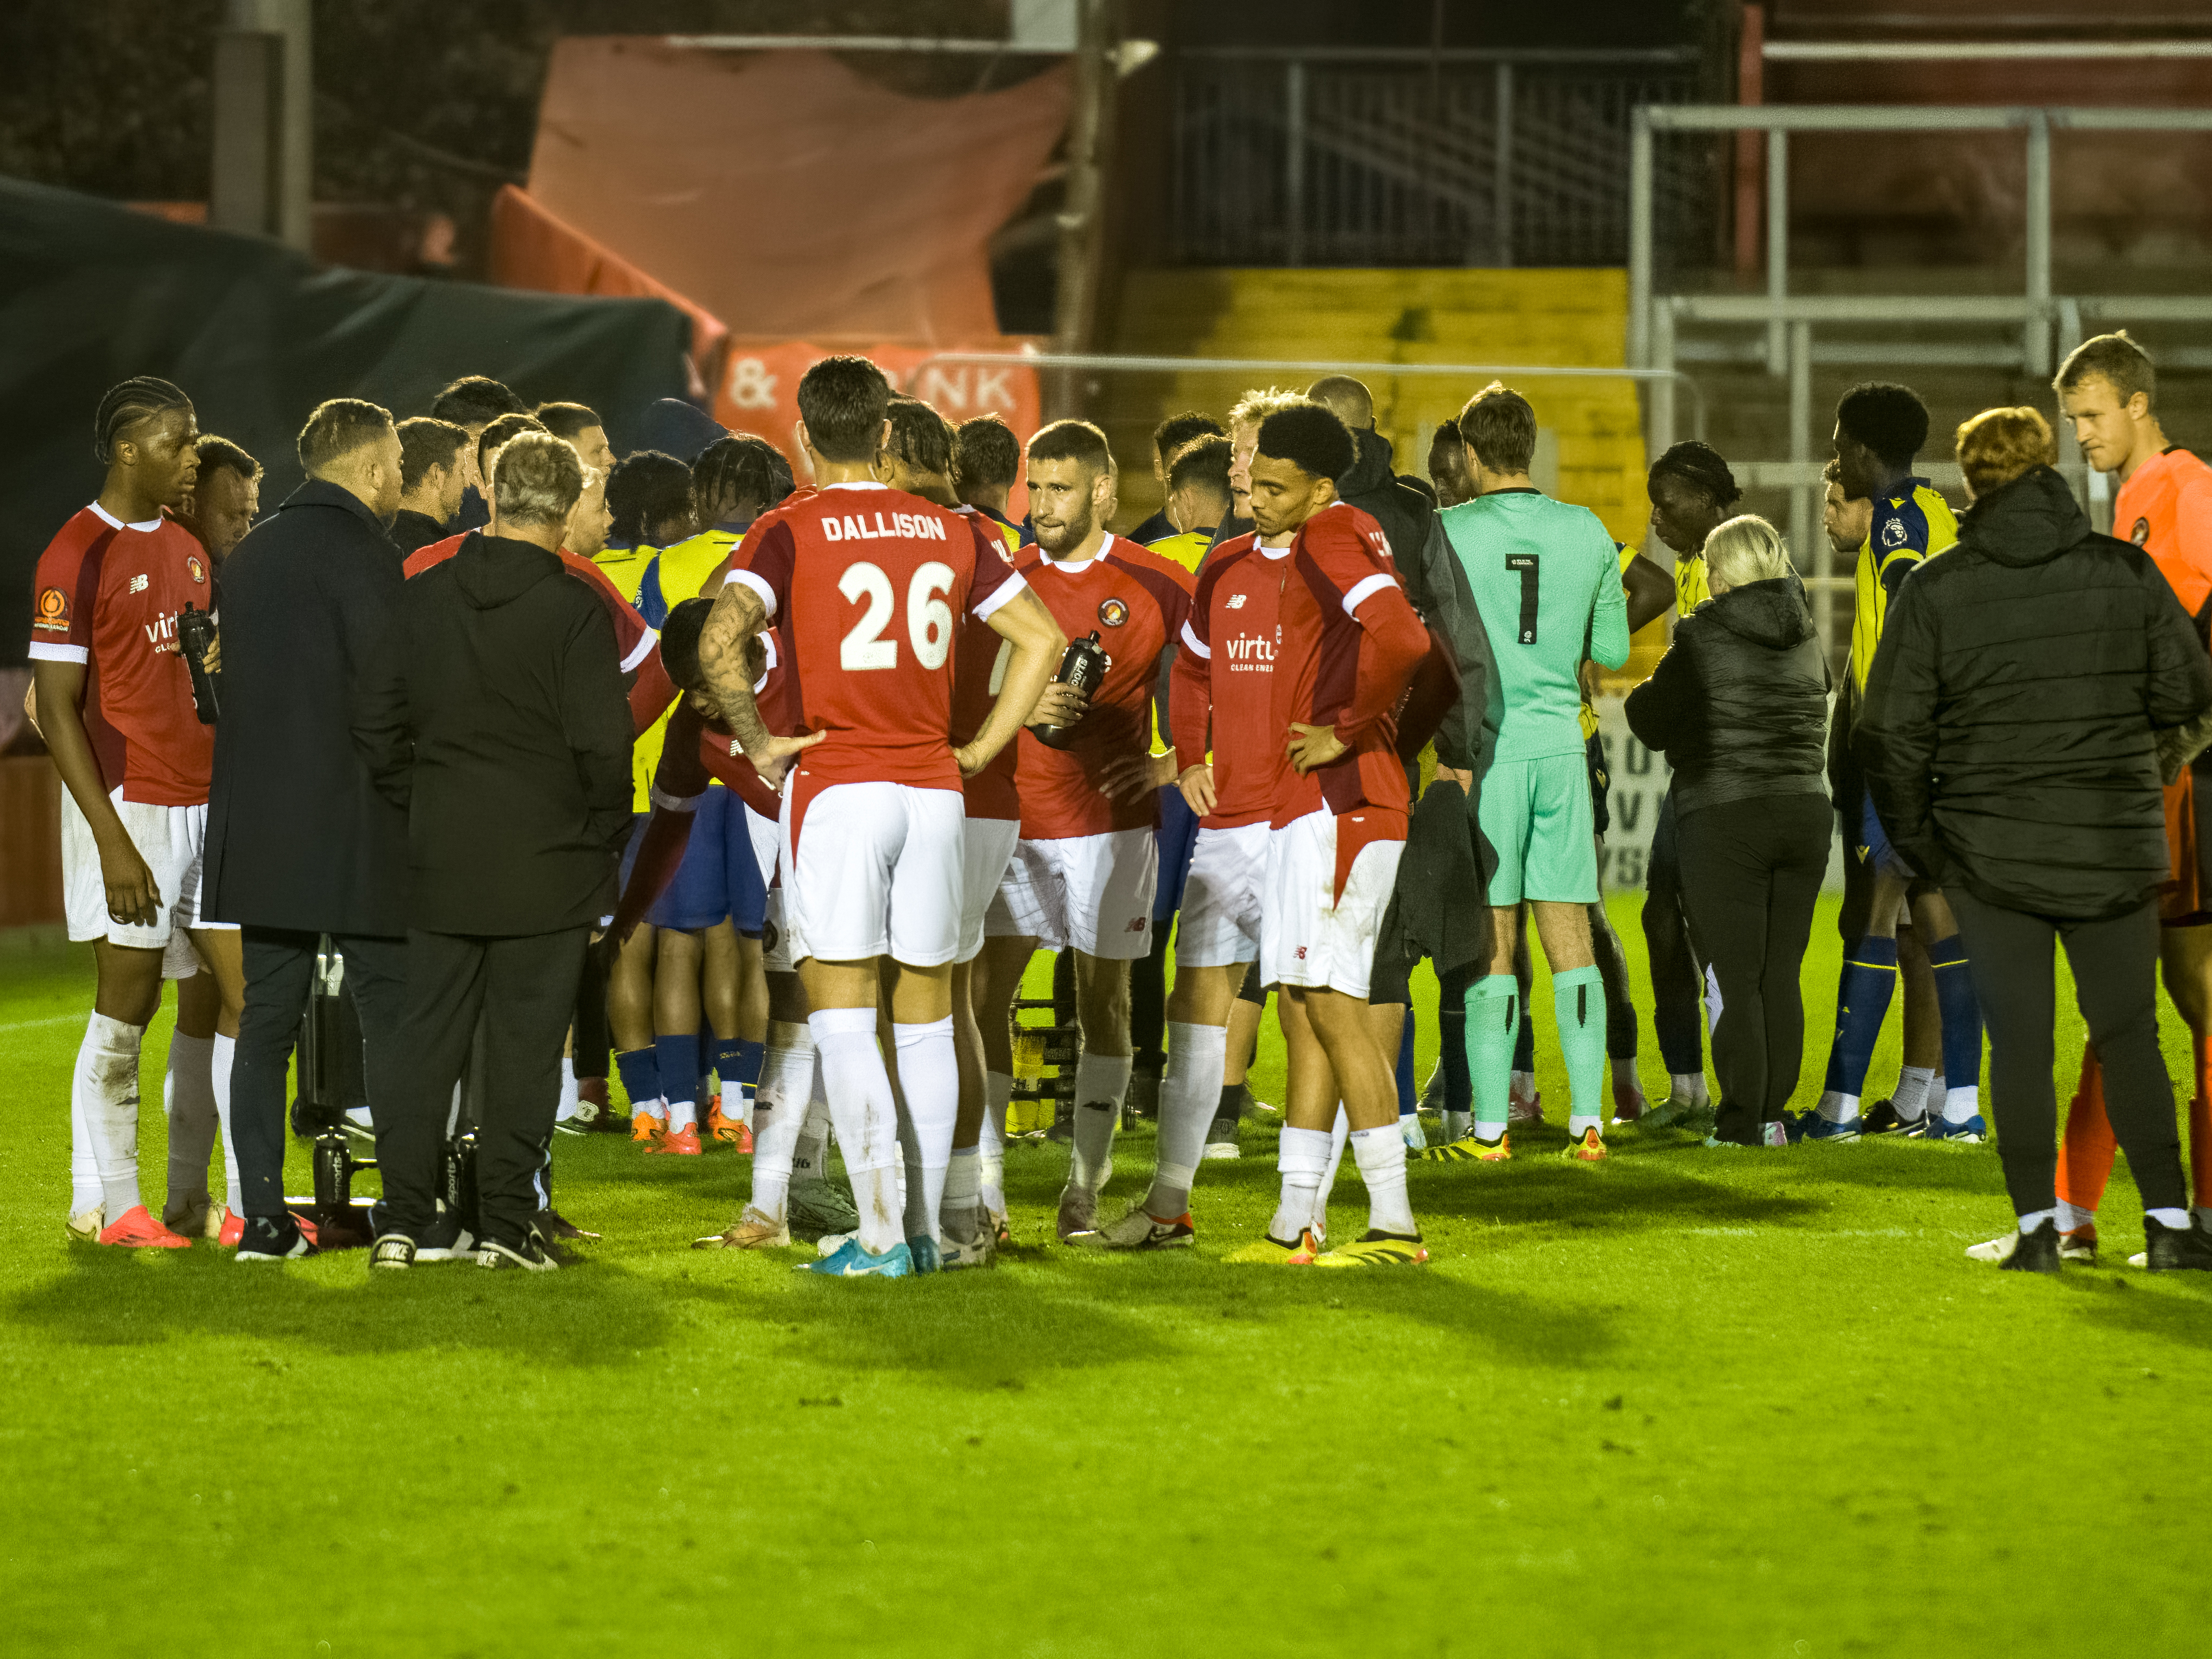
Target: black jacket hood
[
  {"x": 492, "y": 571},
  {"x": 1768, "y": 613},
  {"x": 1371, "y": 470},
  {"x": 2029, "y": 521}
]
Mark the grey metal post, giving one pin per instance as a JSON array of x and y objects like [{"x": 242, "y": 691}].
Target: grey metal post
[
  {"x": 249, "y": 99},
  {"x": 1802, "y": 516},
  {"x": 1639, "y": 238},
  {"x": 1502, "y": 165},
  {"x": 1777, "y": 246},
  {"x": 293, "y": 21},
  {"x": 1294, "y": 160},
  {"x": 2037, "y": 343},
  {"x": 1661, "y": 423}
]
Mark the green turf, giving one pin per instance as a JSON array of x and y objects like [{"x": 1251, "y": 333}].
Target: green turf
[{"x": 1682, "y": 1403}]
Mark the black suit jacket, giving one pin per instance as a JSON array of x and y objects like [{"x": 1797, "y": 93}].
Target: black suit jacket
[
  {"x": 298, "y": 837},
  {"x": 495, "y": 715},
  {"x": 411, "y": 530}
]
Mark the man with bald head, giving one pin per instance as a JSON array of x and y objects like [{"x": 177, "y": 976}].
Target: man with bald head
[{"x": 1372, "y": 485}]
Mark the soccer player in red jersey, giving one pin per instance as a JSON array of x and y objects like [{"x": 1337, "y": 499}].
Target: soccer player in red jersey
[
  {"x": 2108, "y": 387},
  {"x": 1222, "y": 699},
  {"x": 1083, "y": 872},
  {"x": 866, "y": 588},
  {"x": 1348, "y": 645},
  {"x": 115, "y": 705}
]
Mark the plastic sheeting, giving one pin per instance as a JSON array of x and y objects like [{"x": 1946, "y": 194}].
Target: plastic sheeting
[{"x": 788, "y": 195}]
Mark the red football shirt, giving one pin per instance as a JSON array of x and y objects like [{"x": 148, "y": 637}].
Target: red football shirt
[
  {"x": 1225, "y": 677},
  {"x": 979, "y": 669},
  {"x": 865, "y": 588},
  {"x": 1350, "y": 642},
  {"x": 652, "y": 691},
  {"x": 108, "y": 596},
  {"x": 1136, "y": 602},
  {"x": 2166, "y": 509}
]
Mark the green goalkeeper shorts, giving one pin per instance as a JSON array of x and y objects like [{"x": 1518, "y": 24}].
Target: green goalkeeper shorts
[{"x": 1535, "y": 823}]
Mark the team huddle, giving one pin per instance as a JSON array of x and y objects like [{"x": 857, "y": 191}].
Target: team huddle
[{"x": 839, "y": 760}]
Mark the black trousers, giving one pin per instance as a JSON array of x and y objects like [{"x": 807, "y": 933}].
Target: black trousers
[
  {"x": 1751, "y": 875},
  {"x": 526, "y": 990},
  {"x": 1678, "y": 980},
  {"x": 280, "y": 967},
  {"x": 2115, "y": 965}
]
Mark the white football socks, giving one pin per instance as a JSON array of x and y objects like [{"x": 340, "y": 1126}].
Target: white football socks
[
  {"x": 188, "y": 1103},
  {"x": 219, "y": 1064},
  {"x": 1338, "y": 1133},
  {"x": 962, "y": 1182},
  {"x": 929, "y": 1080},
  {"x": 1302, "y": 1155},
  {"x": 2035, "y": 1219},
  {"x": 105, "y": 1081},
  {"x": 1911, "y": 1096},
  {"x": 1189, "y": 1092},
  {"x": 569, "y": 1097},
  {"x": 2072, "y": 1218},
  {"x": 1100, "y": 1081},
  {"x": 1381, "y": 1155},
  {"x": 1962, "y": 1103},
  {"x": 787, "y": 1086},
  {"x": 998, "y": 1094},
  {"x": 867, "y": 1119}
]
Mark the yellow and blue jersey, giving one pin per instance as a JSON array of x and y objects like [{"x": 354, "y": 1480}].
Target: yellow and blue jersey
[
  {"x": 625, "y": 566},
  {"x": 1912, "y": 525},
  {"x": 673, "y": 575},
  {"x": 1186, "y": 547},
  {"x": 1692, "y": 587}
]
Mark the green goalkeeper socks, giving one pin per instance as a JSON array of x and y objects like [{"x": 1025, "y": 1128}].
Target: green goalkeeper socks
[
  {"x": 1494, "y": 1023},
  {"x": 1578, "y": 1000}
]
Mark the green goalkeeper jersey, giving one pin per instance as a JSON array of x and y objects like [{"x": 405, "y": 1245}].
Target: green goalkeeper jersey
[{"x": 1546, "y": 578}]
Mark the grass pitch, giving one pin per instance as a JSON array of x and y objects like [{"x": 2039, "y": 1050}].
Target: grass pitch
[{"x": 1679, "y": 1403}]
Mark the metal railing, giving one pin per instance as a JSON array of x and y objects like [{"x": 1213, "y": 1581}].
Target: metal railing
[{"x": 1297, "y": 157}]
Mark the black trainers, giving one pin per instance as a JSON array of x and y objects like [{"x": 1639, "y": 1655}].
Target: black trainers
[
  {"x": 394, "y": 1251},
  {"x": 1143, "y": 1099},
  {"x": 2032, "y": 1253},
  {"x": 273, "y": 1239},
  {"x": 2166, "y": 1249},
  {"x": 1221, "y": 1140},
  {"x": 1062, "y": 1132},
  {"x": 1882, "y": 1119},
  {"x": 532, "y": 1253}
]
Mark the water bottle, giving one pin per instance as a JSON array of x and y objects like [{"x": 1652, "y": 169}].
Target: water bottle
[
  {"x": 1082, "y": 666},
  {"x": 195, "y": 633}
]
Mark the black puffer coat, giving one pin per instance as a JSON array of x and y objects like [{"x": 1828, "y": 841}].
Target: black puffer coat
[
  {"x": 2006, "y": 727},
  {"x": 1740, "y": 702}
]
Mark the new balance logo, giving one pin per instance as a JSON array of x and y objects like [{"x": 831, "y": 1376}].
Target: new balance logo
[
  {"x": 1236, "y": 602},
  {"x": 1138, "y": 924},
  {"x": 138, "y": 584}
]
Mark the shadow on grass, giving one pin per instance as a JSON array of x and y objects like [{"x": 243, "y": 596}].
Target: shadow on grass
[{"x": 600, "y": 1314}]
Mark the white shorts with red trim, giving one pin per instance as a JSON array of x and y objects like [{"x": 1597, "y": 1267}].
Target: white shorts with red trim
[
  {"x": 1219, "y": 926},
  {"x": 1328, "y": 882},
  {"x": 767, "y": 843},
  {"x": 173, "y": 841},
  {"x": 1091, "y": 893},
  {"x": 988, "y": 848},
  {"x": 871, "y": 870}
]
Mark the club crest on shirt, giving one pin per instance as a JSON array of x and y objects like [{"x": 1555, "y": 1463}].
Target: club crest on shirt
[
  {"x": 54, "y": 611},
  {"x": 2141, "y": 534},
  {"x": 1893, "y": 533},
  {"x": 1113, "y": 613},
  {"x": 192, "y": 564}
]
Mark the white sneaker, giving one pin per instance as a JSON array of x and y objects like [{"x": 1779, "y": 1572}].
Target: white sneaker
[
  {"x": 87, "y": 1224},
  {"x": 753, "y": 1230},
  {"x": 971, "y": 1239},
  {"x": 1079, "y": 1212},
  {"x": 197, "y": 1217}
]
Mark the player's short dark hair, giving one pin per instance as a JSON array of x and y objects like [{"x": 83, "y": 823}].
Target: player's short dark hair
[
  {"x": 338, "y": 427},
  {"x": 1202, "y": 465},
  {"x": 568, "y": 421},
  {"x": 1447, "y": 433},
  {"x": 1176, "y": 430},
  {"x": 220, "y": 455},
  {"x": 539, "y": 480},
  {"x": 646, "y": 489},
  {"x": 139, "y": 398},
  {"x": 476, "y": 400},
  {"x": 744, "y": 467},
  {"x": 1699, "y": 465},
  {"x": 1312, "y": 438},
  {"x": 986, "y": 454},
  {"x": 426, "y": 444},
  {"x": 842, "y": 400},
  {"x": 1499, "y": 425},
  {"x": 2117, "y": 359},
  {"x": 1889, "y": 419},
  {"x": 506, "y": 427},
  {"x": 679, "y": 642},
  {"x": 1072, "y": 441},
  {"x": 920, "y": 436}
]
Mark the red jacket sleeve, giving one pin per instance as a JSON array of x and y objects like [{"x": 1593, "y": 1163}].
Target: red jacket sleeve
[
  {"x": 651, "y": 692},
  {"x": 1392, "y": 641}
]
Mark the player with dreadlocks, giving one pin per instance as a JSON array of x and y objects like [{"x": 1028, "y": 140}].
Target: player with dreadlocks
[{"x": 115, "y": 704}]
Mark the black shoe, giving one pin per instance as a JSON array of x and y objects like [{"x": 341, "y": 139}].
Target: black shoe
[
  {"x": 533, "y": 1255},
  {"x": 1143, "y": 1099},
  {"x": 1062, "y": 1132},
  {"x": 2166, "y": 1249},
  {"x": 1881, "y": 1119},
  {"x": 392, "y": 1251},
  {"x": 2034, "y": 1253},
  {"x": 273, "y": 1239},
  {"x": 1221, "y": 1140}
]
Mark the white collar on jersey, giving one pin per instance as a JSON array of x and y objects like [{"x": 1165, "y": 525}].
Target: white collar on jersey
[
  {"x": 1076, "y": 567},
  {"x": 110, "y": 519},
  {"x": 1282, "y": 552},
  {"x": 858, "y": 483}
]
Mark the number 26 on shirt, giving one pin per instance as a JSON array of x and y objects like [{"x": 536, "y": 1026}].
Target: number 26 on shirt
[{"x": 929, "y": 617}]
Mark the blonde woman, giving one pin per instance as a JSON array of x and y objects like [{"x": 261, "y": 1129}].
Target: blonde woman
[{"x": 1739, "y": 703}]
